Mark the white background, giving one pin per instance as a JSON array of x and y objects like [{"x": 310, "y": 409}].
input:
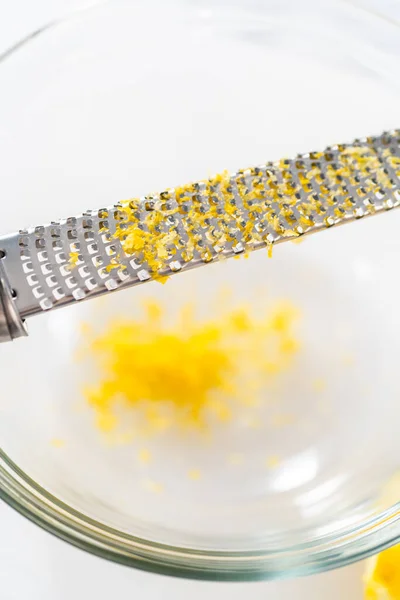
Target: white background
[{"x": 36, "y": 566}]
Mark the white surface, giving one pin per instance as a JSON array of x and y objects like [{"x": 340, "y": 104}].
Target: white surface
[{"x": 37, "y": 566}]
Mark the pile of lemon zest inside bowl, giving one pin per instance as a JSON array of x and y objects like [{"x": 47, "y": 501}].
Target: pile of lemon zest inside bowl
[{"x": 189, "y": 372}]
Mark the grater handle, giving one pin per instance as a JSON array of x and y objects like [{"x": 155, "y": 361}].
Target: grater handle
[{"x": 12, "y": 326}]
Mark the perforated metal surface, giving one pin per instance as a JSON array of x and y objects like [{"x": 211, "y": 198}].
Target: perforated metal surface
[{"x": 134, "y": 241}]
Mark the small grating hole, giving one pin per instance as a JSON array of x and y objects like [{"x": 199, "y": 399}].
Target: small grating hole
[
  {"x": 106, "y": 237},
  {"x": 175, "y": 265},
  {"x": 51, "y": 281},
  {"x": 43, "y": 256},
  {"x": 111, "y": 284},
  {"x": 98, "y": 261},
  {"x": 65, "y": 270},
  {"x": 47, "y": 268},
  {"x": 84, "y": 271},
  {"x": 91, "y": 284},
  {"x": 388, "y": 204},
  {"x": 123, "y": 274},
  {"x": 58, "y": 293},
  {"x": 79, "y": 294},
  {"x": 111, "y": 250},
  {"x": 55, "y": 232},
  {"x": 71, "y": 282},
  {"x": 32, "y": 279},
  {"x": 40, "y": 243},
  {"x": 75, "y": 247},
  {"x": 46, "y": 304},
  {"x": 61, "y": 258},
  {"x": 38, "y": 292},
  {"x": 27, "y": 267},
  {"x": 143, "y": 275},
  {"x": 134, "y": 264}
]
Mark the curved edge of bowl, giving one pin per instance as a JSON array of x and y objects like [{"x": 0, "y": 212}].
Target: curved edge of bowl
[{"x": 46, "y": 511}]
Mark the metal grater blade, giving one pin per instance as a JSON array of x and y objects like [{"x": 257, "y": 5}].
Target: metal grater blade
[{"x": 152, "y": 237}]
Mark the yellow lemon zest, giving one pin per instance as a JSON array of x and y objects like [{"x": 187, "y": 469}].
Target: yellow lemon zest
[{"x": 188, "y": 372}]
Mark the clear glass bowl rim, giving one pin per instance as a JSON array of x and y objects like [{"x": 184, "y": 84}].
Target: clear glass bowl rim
[{"x": 32, "y": 501}]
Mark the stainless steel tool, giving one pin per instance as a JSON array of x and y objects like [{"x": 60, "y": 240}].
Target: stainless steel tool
[{"x": 102, "y": 250}]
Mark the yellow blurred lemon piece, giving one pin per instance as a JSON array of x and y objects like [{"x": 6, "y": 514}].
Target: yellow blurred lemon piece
[
  {"x": 382, "y": 581},
  {"x": 382, "y": 576}
]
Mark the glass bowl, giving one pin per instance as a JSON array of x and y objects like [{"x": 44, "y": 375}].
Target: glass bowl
[{"x": 130, "y": 97}]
